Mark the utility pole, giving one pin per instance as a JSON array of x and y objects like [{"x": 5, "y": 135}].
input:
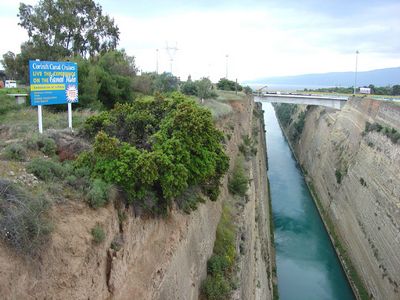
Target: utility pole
[
  {"x": 171, "y": 53},
  {"x": 157, "y": 61},
  {"x": 355, "y": 75},
  {"x": 226, "y": 67}
]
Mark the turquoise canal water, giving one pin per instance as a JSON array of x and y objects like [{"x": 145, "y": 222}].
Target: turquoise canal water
[{"x": 307, "y": 265}]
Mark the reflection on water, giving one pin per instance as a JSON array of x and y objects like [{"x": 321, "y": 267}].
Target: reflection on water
[{"x": 307, "y": 265}]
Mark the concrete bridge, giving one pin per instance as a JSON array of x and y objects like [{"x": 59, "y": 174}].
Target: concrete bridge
[{"x": 329, "y": 101}]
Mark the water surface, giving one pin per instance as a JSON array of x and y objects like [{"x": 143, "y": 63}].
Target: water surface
[{"x": 307, "y": 264}]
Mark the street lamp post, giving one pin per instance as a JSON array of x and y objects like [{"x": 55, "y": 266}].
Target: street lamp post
[
  {"x": 355, "y": 75},
  {"x": 157, "y": 61},
  {"x": 226, "y": 70}
]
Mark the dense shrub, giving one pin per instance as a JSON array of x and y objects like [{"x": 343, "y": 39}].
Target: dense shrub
[
  {"x": 15, "y": 152},
  {"x": 98, "y": 234},
  {"x": 216, "y": 288},
  {"x": 154, "y": 149},
  {"x": 23, "y": 222},
  {"x": 46, "y": 169},
  {"x": 238, "y": 183},
  {"x": 98, "y": 193},
  {"x": 228, "y": 85},
  {"x": 220, "y": 267},
  {"x": 47, "y": 145}
]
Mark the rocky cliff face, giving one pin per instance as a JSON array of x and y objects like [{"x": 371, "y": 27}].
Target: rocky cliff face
[
  {"x": 146, "y": 258},
  {"x": 356, "y": 177}
]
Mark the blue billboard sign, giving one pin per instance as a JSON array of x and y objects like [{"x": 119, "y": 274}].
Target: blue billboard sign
[{"x": 53, "y": 82}]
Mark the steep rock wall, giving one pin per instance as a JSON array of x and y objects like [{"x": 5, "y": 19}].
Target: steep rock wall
[
  {"x": 155, "y": 258},
  {"x": 356, "y": 176}
]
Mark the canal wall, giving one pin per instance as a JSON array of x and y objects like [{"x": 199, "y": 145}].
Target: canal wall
[
  {"x": 354, "y": 176},
  {"x": 155, "y": 258}
]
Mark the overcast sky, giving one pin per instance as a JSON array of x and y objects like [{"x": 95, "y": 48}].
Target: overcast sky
[{"x": 261, "y": 38}]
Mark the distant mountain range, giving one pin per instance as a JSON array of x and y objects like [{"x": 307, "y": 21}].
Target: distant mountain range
[{"x": 380, "y": 77}]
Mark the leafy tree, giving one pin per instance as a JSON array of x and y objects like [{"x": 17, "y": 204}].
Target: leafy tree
[
  {"x": 204, "y": 89},
  {"x": 228, "y": 85},
  {"x": 396, "y": 90},
  {"x": 165, "y": 82},
  {"x": 59, "y": 29},
  {"x": 105, "y": 79},
  {"x": 189, "y": 87},
  {"x": 66, "y": 27}
]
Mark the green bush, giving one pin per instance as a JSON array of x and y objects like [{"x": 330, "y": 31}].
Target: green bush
[
  {"x": 8, "y": 104},
  {"x": 217, "y": 264},
  {"x": 216, "y": 288},
  {"x": 220, "y": 267},
  {"x": 47, "y": 146},
  {"x": 46, "y": 169},
  {"x": 98, "y": 193},
  {"x": 15, "y": 152},
  {"x": 338, "y": 176},
  {"x": 98, "y": 234},
  {"x": 391, "y": 133},
  {"x": 238, "y": 182},
  {"x": 155, "y": 149},
  {"x": 23, "y": 222},
  {"x": 249, "y": 147}
]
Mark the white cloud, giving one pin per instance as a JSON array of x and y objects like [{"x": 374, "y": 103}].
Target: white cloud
[{"x": 260, "y": 40}]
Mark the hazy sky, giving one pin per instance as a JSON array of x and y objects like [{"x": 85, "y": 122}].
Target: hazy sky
[{"x": 262, "y": 38}]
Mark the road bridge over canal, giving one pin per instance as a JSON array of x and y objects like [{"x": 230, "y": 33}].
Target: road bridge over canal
[{"x": 336, "y": 102}]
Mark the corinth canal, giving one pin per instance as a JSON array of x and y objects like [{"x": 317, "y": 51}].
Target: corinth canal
[{"x": 307, "y": 264}]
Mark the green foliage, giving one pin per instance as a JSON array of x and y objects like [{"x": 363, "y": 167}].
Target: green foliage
[
  {"x": 189, "y": 87},
  {"x": 154, "y": 149},
  {"x": 204, "y": 89},
  {"x": 238, "y": 183},
  {"x": 59, "y": 29},
  {"x": 284, "y": 112},
  {"x": 391, "y": 133},
  {"x": 98, "y": 193},
  {"x": 23, "y": 222},
  {"x": 216, "y": 288},
  {"x": 8, "y": 104},
  {"x": 220, "y": 267},
  {"x": 165, "y": 83},
  {"x": 338, "y": 176},
  {"x": 228, "y": 85},
  {"x": 47, "y": 145},
  {"x": 249, "y": 147},
  {"x": 106, "y": 79},
  {"x": 98, "y": 234},
  {"x": 298, "y": 126},
  {"x": 15, "y": 152},
  {"x": 46, "y": 170},
  {"x": 248, "y": 90},
  {"x": 69, "y": 27}
]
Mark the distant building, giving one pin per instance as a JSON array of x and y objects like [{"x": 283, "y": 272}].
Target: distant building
[
  {"x": 364, "y": 90},
  {"x": 10, "y": 84}
]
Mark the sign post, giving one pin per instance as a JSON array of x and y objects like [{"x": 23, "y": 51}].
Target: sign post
[
  {"x": 40, "y": 122},
  {"x": 53, "y": 83},
  {"x": 70, "y": 116}
]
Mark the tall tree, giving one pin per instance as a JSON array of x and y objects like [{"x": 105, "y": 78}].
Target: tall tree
[{"x": 69, "y": 27}]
